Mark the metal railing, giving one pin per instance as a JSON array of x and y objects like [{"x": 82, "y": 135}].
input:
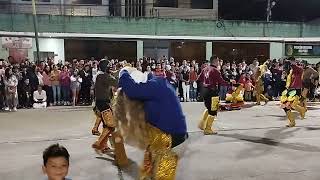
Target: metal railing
[{"x": 129, "y": 10}]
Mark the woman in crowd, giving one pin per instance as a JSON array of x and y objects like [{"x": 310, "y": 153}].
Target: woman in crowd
[
  {"x": 55, "y": 84},
  {"x": 76, "y": 81},
  {"x": 65, "y": 85},
  {"x": 47, "y": 84},
  {"x": 11, "y": 83}
]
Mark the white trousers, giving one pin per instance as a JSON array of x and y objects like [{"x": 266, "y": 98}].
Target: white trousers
[
  {"x": 40, "y": 105},
  {"x": 185, "y": 89}
]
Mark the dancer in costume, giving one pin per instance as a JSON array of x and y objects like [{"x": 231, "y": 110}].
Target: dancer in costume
[
  {"x": 259, "y": 87},
  {"x": 234, "y": 99},
  {"x": 291, "y": 97},
  {"x": 104, "y": 83},
  {"x": 150, "y": 117},
  {"x": 211, "y": 78}
]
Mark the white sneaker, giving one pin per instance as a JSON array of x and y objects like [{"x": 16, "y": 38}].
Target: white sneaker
[
  {"x": 6, "y": 109},
  {"x": 15, "y": 109}
]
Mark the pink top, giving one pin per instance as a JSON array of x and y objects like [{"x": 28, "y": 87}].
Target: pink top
[
  {"x": 46, "y": 79},
  {"x": 64, "y": 78}
]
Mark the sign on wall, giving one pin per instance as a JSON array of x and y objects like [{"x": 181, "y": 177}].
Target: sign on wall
[
  {"x": 16, "y": 42},
  {"x": 303, "y": 50}
]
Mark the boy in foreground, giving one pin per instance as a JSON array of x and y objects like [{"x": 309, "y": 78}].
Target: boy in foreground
[{"x": 56, "y": 162}]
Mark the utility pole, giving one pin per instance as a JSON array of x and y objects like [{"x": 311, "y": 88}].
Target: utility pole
[{"x": 35, "y": 24}]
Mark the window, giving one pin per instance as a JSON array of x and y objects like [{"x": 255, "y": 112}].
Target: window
[
  {"x": 37, "y": 0},
  {"x": 166, "y": 3},
  {"x": 98, "y": 2},
  {"x": 201, "y": 4}
]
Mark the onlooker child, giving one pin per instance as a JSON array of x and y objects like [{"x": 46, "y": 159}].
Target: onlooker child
[
  {"x": 56, "y": 162},
  {"x": 248, "y": 90}
]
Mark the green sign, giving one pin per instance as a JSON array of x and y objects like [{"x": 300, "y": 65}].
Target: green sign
[{"x": 303, "y": 50}]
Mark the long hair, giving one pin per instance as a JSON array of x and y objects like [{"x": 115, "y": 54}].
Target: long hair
[{"x": 130, "y": 117}]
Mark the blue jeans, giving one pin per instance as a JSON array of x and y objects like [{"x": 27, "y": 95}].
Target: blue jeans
[
  {"x": 193, "y": 92},
  {"x": 223, "y": 92},
  {"x": 65, "y": 93},
  {"x": 56, "y": 93}
]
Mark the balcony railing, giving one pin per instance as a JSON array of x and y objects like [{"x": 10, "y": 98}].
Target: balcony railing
[{"x": 130, "y": 10}]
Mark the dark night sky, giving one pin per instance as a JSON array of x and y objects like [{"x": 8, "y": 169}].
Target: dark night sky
[{"x": 284, "y": 10}]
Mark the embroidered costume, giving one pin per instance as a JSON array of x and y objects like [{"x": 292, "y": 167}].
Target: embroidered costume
[{"x": 150, "y": 117}]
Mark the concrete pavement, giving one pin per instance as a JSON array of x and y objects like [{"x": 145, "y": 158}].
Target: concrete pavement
[{"x": 252, "y": 144}]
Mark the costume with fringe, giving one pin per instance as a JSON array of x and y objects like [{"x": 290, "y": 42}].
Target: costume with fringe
[{"x": 151, "y": 119}]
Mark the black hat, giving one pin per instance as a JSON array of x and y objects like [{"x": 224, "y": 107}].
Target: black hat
[{"x": 104, "y": 65}]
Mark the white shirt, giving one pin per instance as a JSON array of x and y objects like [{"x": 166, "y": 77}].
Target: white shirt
[{"x": 42, "y": 95}]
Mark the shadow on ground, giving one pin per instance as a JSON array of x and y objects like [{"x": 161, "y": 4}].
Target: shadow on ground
[{"x": 258, "y": 150}]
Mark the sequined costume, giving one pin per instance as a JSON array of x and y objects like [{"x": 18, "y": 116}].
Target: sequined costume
[
  {"x": 236, "y": 96},
  {"x": 259, "y": 87},
  {"x": 291, "y": 98},
  {"x": 150, "y": 117}
]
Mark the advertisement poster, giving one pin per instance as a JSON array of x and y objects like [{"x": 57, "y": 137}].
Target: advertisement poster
[
  {"x": 16, "y": 42},
  {"x": 18, "y": 47},
  {"x": 303, "y": 50}
]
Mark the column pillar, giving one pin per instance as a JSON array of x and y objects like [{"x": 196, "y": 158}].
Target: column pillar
[
  {"x": 208, "y": 50},
  {"x": 277, "y": 50},
  {"x": 139, "y": 49}
]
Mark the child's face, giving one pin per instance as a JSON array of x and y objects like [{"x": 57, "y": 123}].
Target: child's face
[{"x": 56, "y": 168}]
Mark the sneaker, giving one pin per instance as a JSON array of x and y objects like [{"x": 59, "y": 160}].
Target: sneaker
[
  {"x": 15, "y": 109},
  {"x": 6, "y": 109}
]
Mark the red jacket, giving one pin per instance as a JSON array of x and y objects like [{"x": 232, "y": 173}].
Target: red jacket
[
  {"x": 211, "y": 78},
  {"x": 296, "y": 81}
]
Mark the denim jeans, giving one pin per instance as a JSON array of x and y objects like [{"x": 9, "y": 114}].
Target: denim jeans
[
  {"x": 65, "y": 93},
  {"x": 223, "y": 92},
  {"x": 56, "y": 93},
  {"x": 193, "y": 92}
]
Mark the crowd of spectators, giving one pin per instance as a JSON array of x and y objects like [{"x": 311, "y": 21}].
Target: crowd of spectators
[{"x": 28, "y": 85}]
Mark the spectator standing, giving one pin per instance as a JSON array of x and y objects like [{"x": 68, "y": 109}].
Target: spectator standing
[
  {"x": 159, "y": 72},
  {"x": 86, "y": 84},
  {"x": 11, "y": 83},
  {"x": 55, "y": 84},
  {"x": 171, "y": 76},
  {"x": 193, "y": 84},
  {"x": 65, "y": 85},
  {"x": 248, "y": 89},
  {"x": 76, "y": 81},
  {"x": 185, "y": 79},
  {"x": 276, "y": 78},
  {"x": 47, "y": 84}
]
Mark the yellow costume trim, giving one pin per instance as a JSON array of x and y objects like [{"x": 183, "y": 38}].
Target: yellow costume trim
[
  {"x": 208, "y": 130},
  {"x": 214, "y": 103},
  {"x": 236, "y": 96},
  {"x": 203, "y": 121},
  {"x": 289, "y": 79},
  {"x": 160, "y": 162}
]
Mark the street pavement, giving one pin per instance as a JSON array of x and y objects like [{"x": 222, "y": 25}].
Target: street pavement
[{"x": 252, "y": 144}]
